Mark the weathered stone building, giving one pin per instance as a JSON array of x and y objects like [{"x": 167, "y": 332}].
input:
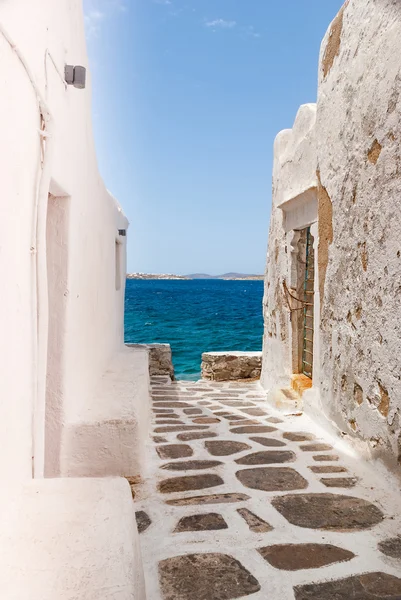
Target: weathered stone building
[{"x": 333, "y": 282}]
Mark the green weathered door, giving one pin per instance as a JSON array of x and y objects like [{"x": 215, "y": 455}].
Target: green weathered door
[{"x": 307, "y": 350}]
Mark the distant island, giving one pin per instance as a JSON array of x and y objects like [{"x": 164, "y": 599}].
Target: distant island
[
  {"x": 153, "y": 276},
  {"x": 226, "y": 276}
]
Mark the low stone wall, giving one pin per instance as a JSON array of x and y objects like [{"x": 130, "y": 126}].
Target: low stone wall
[
  {"x": 160, "y": 359},
  {"x": 227, "y": 366}
]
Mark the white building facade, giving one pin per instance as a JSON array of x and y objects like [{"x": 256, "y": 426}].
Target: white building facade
[{"x": 74, "y": 399}]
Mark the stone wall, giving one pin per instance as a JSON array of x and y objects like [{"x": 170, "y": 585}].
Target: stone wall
[
  {"x": 338, "y": 172},
  {"x": 160, "y": 358},
  {"x": 359, "y": 163},
  {"x": 226, "y": 366}
]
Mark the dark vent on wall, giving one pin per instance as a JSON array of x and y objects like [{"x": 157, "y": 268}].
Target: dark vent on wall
[{"x": 122, "y": 232}]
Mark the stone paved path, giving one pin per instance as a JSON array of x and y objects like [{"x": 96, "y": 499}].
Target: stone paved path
[{"x": 240, "y": 500}]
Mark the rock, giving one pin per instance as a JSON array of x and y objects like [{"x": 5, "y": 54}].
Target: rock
[
  {"x": 255, "y": 523},
  {"x": 174, "y": 451},
  {"x": 160, "y": 359},
  {"x": 210, "y": 499},
  {"x": 391, "y": 547},
  {"x": 187, "y": 437},
  {"x": 369, "y": 586},
  {"x": 225, "y": 366},
  {"x": 272, "y": 479},
  {"x": 207, "y": 522},
  {"x": 189, "y": 482},
  {"x": 328, "y": 511},
  {"x": 294, "y": 557},
  {"x": 191, "y": 465},
  {"x": 269, "y": 442},
  {"x": 267, "y": 457},
  {"x": 143, "y": 521},
  {"x": 225, "y": 448},
  {"x": 205, "y": 577}
]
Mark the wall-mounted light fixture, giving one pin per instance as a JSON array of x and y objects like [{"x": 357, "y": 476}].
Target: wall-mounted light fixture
[{"x": 75, "y": 76}]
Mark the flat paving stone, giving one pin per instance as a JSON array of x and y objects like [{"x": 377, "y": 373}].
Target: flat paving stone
[
  {"x": 225, "y": 448},
  {"x": 326, "y": 457},
  {"x": 269, "y": 442},
  {"x": 169, "y": 428},
  {"x": 236, "y": 403},
  {"x": 207, "y": 522},
  {"x": 328, "y": 511},
  {"x": 342, "y": 482},
  {"x": 267, "y": 457},
  {"x": 254, "y": 412},
  {"x": 143, "y": 521},
  {"x": 391, "y": 547},
  {"x": 190, "y": 482},
  {"x": 294, "y": 557},
  {"x": 255, "y": 523},
  {"x": 191, "y": 465},
  {"x": 253, "y": 429},
  {"x": 272, "y": 479},
  {"x": 243, "y": 422},
  {"x": 170, "y": 404},
  {"x": 205, "y": 510},
  {"x": 328, "y": 469},
  {"x": 369, "y": 586},
  {"x": 174, "y": 451},
  {"x": 158, "y": 439},
  {"x": 228, "y": 498},
  {"x": 187, "y": 437},
  {"x": 298, "y": 436},
  {"x": 230, "y": 417},
  {"x": 316, "y": 447},
  {"x": 205, "y": 577}
]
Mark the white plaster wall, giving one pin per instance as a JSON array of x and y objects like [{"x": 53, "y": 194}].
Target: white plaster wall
[
  {"x": 359, "y": 156},
  {"x": 19, "y": 146},
  {"x": 70, "y": 539},
  {"x": 49, "y": 35},
  {"x": 108, "y": 436},
  {"x": 294, "y": 177}
]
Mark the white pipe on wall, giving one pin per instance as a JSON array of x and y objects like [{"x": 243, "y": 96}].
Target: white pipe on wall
[{"x": 39, "y": 271}]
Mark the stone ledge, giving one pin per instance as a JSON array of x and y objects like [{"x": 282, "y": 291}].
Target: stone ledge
[
  {"x": 108, "y": 435},
  {"x": 231, "y": 366},
  {"x": 160, "y": 358},
  {"x": 70, "y": 539}
]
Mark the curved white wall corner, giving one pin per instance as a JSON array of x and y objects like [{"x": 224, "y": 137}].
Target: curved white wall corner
[{"x": 293, "y": 206}]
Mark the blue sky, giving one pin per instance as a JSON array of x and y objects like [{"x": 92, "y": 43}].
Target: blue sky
[{"x": 188, "y": 96}]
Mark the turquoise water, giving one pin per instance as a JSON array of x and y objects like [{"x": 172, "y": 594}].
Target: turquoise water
[{"x": 194, "y": 316}]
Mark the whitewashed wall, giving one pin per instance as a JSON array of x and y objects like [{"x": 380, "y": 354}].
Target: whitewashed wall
[
  {"x": 294, "y": 176},
  {"x": 87, "y": 319},
  {"x": 359, "y": 158}
]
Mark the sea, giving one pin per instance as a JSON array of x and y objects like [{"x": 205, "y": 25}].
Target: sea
[{"x": 194, "y": 316}]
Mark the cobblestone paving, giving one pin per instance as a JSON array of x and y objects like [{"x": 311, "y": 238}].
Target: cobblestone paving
[{"x": 240, "y": 500}]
